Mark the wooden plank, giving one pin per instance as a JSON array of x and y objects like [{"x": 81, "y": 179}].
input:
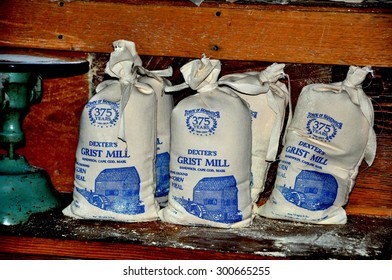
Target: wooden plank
[
  {"x": 52, "y": 234},
  {"x": 238, "y": 32},
  {"x": 44, "y": 248}
]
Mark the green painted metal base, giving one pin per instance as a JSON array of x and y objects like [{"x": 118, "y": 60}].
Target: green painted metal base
[{"x": 24, "y": 190}]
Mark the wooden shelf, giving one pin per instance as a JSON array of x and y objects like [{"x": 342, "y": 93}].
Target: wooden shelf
[
  {"x": 276, "y": 33},
  {"x": 52, "y": 235}
]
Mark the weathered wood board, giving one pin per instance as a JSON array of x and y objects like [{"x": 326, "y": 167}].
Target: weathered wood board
[
  {"x": 294, "y": 34},
  {"x": 53, "y": 235}
]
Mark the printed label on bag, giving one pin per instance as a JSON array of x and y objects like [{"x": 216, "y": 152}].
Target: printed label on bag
[
  {"x": 162, "y": 174},
  {"x": 304, "y": 153},
  {"x": 214, "y": 199},
  {"x": 103, "y": 113},
  {"x": 312, "y": 190},
  {"x": 116, "y": 190},
  {"x": 253, "y": 114},
  {"x": 104, "y": 152},
  {"x": 196, "y": 163},
  {"x": 201, "y": 121},
  {"x": 322, "y": 126}
]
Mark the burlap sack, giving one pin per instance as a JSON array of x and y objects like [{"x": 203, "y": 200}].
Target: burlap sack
[
  {"x": 329, "y": 136},
  {"x": 210, "y": 153},
  {"x": 115, "y": 157}
]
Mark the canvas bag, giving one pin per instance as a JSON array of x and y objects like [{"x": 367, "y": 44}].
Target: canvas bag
[
  {"x": 156, "y": 79},
  {"x": 329, "y": 136},
  {"x": 115, "y": 157},
  {"x": 268, "y": 99},
  {"x": 210, "y": 153}
]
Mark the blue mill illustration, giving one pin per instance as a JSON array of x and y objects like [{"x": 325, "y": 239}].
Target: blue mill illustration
[
  {"x": 116, "y": 190},
  {"x": 312, "y": 191},
  {"x": 162, "y": 174},
  {"x": 214, "y": 199}
]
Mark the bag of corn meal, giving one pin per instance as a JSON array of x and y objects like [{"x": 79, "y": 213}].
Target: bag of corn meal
[
  {"x": 268, "y": 99},
  {"x": 210, "y": 153},
  {"x": 115, "y": 157},
  {"x": 156, "y": 79},
  {"x": 329, "y": 136}
]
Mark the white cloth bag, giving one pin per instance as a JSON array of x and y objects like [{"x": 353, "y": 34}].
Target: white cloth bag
[
  {"x": 210, "y": 154},
  {"x": 268, "y": 99},
  {"x": 115, "y": 157},
  {"x": 329, "y": 136},
  {"x": 165, "y": 103}
]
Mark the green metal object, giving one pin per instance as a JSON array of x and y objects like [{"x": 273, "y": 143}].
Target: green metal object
[{"x": 24, "y": 189}]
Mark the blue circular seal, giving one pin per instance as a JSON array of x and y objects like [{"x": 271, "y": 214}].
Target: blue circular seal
[
  {"x": 103, "y": 113},
  {"x": 322, "y": 128},
  {"x": 201, "y": 122}
]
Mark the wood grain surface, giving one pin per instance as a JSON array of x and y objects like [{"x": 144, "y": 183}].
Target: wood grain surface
[
  {"x": 224, "y": 31},
  {"x": 51, "y": 234}
]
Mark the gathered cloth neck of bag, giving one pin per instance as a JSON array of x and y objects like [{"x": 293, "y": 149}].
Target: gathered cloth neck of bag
[
  {"x": 200, "y": 75},
  {"x": 264, "y": 82},
  {"x": 156, "y": 74},
  {"x": 124, "y": 64}
]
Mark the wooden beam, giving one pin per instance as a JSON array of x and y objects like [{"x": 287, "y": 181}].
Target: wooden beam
[
  {"x": 57, "y": 248},
  {"x": 223, "y": 31},
  {"x": 51, "y": 234}
]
